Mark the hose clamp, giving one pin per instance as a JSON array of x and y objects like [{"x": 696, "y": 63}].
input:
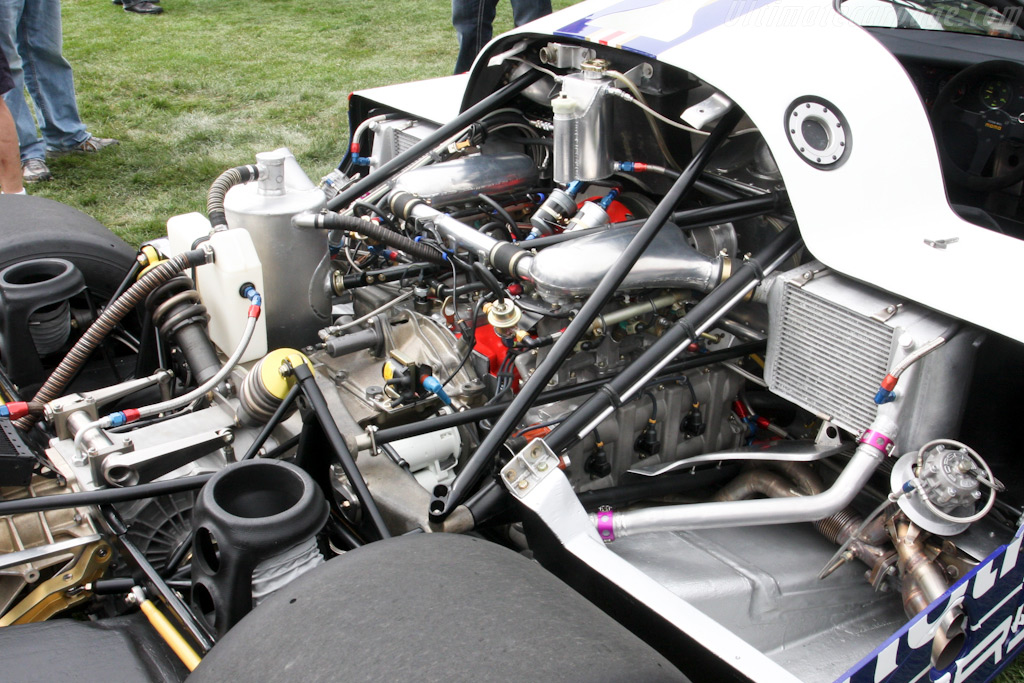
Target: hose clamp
[
  {"x": 606, "y": 524},
  {"x": 877, "y": 440}
]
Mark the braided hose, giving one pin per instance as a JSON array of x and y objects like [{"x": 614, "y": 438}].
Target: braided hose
[
  {"x": 105, "y": 323},
  {"x": 336, "y": 221},
  {"x": 238, "y": 175}
]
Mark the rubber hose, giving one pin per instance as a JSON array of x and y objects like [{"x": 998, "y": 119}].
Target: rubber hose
[
  {"x": 105, "y": 323},
  {"x": 337, "y": 221},
  {"x": 238, "y": 175}
]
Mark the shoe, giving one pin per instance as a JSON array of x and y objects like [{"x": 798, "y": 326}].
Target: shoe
[
  {"x": 34, "y": 171},
  {"x": 144, "y": 7},
  {"x": 90, "y": 144},
  {"x": 93, "y": 143}
]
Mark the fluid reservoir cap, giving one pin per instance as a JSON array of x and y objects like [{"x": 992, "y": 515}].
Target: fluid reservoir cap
[
  {"x": 271, "y": 181},
  {"x": 563, "y": 105},
  {"x": 818, "y": 132},
  {"x": 593, "y": 68}
]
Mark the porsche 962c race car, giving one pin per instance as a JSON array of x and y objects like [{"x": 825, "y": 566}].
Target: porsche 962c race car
[{"x": 673, "y": 342}]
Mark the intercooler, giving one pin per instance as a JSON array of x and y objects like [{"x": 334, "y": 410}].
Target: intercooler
[
  {"x": 395, "y": 136},
  {"x": 833, "y": 340}
]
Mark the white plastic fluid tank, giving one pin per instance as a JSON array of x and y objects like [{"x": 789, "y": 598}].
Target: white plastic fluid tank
[{"x": 235, "y": 264}]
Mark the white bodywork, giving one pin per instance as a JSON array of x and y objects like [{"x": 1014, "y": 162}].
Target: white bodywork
[{"x": 869, "y": 218}]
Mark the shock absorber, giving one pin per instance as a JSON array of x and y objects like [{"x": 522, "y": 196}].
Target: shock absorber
[
  {"x": 181, "y": 317},
  {"x": 264, "y": 388}
]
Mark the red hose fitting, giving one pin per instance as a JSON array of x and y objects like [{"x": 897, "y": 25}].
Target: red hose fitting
[
  {"x": 14, "y": 410},
  {"x": 740, "y": 410}
]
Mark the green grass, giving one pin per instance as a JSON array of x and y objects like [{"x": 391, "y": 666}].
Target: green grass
[{"x": 207, "y": 85}]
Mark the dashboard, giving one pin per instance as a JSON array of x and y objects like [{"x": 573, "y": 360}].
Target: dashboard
[{"x": 979, "y": 125}]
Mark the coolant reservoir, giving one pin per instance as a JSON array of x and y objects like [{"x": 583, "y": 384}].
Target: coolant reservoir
[
  {"x": 219, "y": 283},
  {"x": 582, "y": 121},
  {"x": 295, "y": 262}
]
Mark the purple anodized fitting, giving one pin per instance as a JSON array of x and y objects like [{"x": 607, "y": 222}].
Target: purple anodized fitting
[
  {"x": 605, "y": 526},
  {"x": 877, "y": 440}
]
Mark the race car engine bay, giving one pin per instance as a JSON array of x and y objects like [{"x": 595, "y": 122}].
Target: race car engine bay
[{"x": 584, "y": 302}]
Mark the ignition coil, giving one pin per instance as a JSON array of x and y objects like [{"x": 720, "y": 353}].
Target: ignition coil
[{"x": 597, "y": 465}]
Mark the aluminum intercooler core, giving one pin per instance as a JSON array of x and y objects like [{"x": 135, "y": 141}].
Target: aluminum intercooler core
[{"x": 833, "y": 340}]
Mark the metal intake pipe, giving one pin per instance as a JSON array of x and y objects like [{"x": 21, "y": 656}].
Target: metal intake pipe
[
  {"x": 874, "y": 446},
  {"x": 574, "y": 269}
]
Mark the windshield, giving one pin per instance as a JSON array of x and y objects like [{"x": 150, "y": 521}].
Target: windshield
[{"x": 960, "y": 16}]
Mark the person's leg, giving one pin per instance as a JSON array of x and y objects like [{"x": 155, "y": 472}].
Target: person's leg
[
  {"x": 31, "y": 145},
  {"x": 10, "y": 164},
  {"x": 48, "y": 75},
  {"x": 525, "y": 11},
  {"x": 472, "y": 20}
]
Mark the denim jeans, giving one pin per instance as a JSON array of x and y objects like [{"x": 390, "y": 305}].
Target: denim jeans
[
  {"x": 31, "y": 38},
  {"x": 473, "y": 19}
]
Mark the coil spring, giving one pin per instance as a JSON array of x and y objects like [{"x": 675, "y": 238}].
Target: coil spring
[{"x": 175, "y": 304}]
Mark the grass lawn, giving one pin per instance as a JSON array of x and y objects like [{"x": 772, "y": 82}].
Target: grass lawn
[{"x": 208, "y": 84}]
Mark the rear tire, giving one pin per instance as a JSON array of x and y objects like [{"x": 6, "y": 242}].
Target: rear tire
[{"x": 33, "y": 228}]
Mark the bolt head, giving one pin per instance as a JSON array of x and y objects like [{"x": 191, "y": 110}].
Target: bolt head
[{"x": 523, "y": 484}]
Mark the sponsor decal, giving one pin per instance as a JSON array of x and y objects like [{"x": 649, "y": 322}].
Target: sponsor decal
[
  {"x": 992, "y": 596},
  {"x": 651, "y": 27}
]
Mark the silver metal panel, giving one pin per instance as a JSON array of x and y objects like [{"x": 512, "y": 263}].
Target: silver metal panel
[{"x": 762, "y": 585}]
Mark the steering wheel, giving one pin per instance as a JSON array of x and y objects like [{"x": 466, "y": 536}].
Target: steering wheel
[{"x": 991, "y": 127}]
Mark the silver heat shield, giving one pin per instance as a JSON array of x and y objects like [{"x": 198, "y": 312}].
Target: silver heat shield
[
  {"x": 574, "y": 268},
  {"x": 462, "y": 179},
  {"x": 833, "y": 340}
]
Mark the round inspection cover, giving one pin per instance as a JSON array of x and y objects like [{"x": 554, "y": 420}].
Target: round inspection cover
[{"x": 818, "y": 132}]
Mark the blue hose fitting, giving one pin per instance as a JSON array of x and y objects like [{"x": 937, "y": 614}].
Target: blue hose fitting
[{"x": 434, "y": 386}]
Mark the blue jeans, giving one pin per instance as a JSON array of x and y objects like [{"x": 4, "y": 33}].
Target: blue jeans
[
  {"x": 473, "y": 20},
  {"x": 31, "y": 38}
]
